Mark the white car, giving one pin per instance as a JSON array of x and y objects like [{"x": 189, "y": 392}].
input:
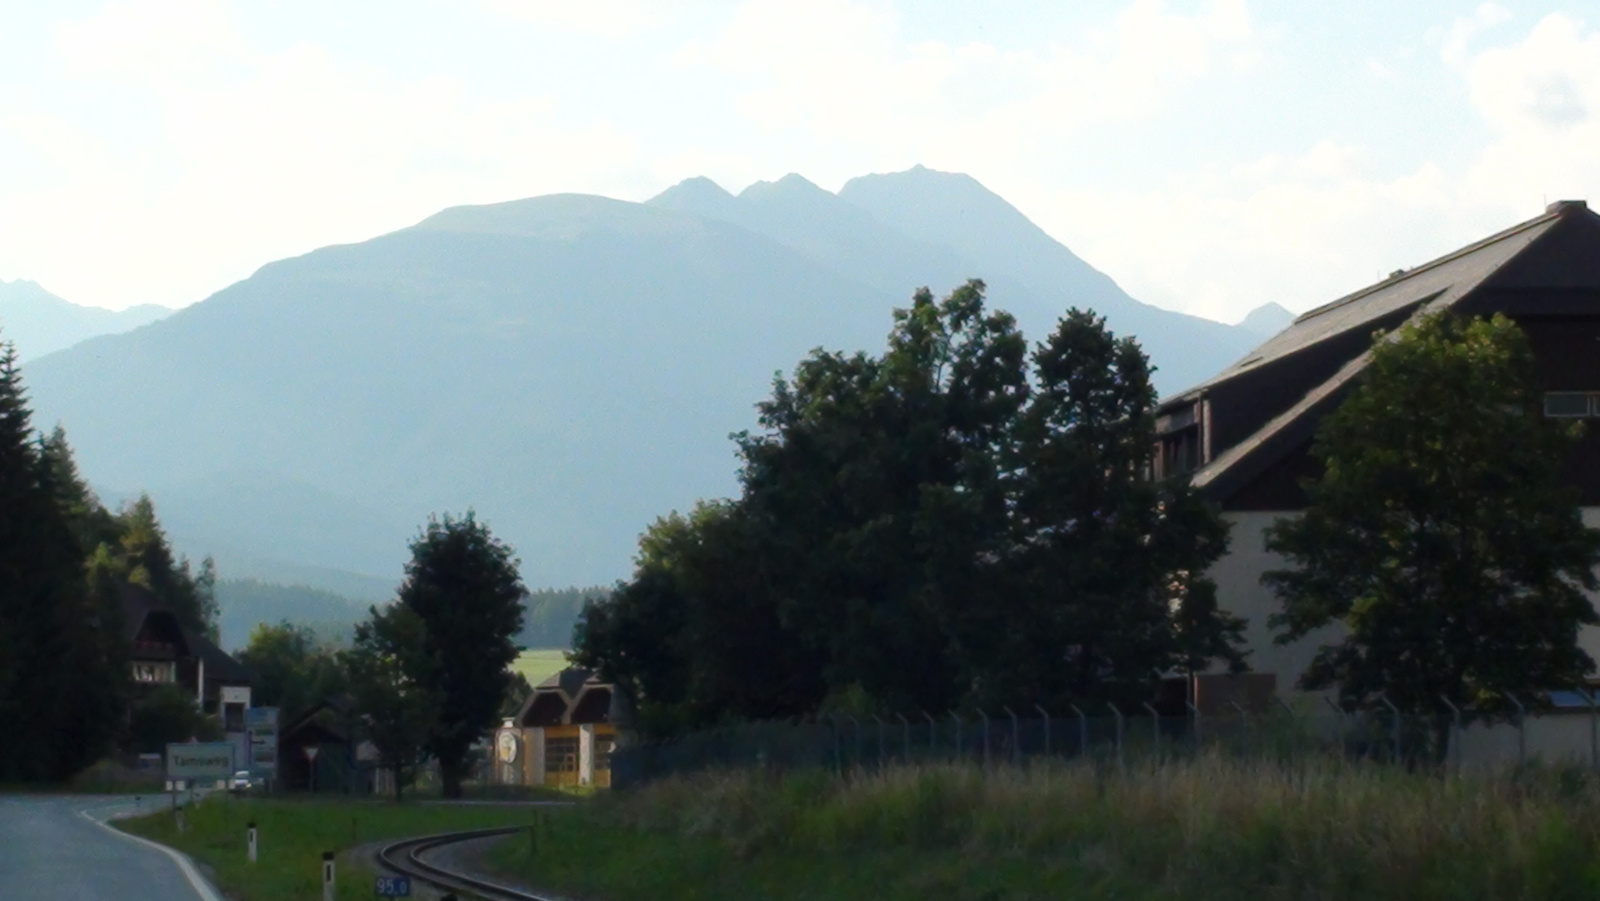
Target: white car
[{"x": 242, "y": 781}]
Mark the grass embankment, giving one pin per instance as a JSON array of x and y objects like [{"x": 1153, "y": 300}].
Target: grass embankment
[
  {"x": 539, "y": 664},
  {"x": 1207, "y": 829},
  {"x": 292, "y": 835}
]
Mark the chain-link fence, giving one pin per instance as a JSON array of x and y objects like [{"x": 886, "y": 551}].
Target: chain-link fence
[{"x": 844, "y": 743}]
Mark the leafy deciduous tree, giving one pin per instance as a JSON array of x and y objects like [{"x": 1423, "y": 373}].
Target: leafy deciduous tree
[
  {"x": 1441, "y": 536},
  {"x": 462, "y": 582},
  {"x": 395, "y": 685}
]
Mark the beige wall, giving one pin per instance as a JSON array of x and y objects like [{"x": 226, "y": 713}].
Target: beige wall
[{"x": 1240, "y": 592}]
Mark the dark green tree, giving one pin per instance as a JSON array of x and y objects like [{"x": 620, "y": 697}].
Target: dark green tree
[
  {"x": 926, "y": 528},
  {"x": 146, "y": 558},
  {"x": 1441, "y": 538},
  {"x": 463, "y": 584},
  {"x": 1106, "y": 570},
  {"x": 396, "y": 688},
  {"x": 165, "y": 715},
  {"x": 295, "y": 671},
  {"x": 874, "y": 494},
  {"x": 696, "y": 632},
  {"x": 62, "y": 687}
]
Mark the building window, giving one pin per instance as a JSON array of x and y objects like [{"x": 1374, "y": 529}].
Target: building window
[
  {"x": 1180, "y": 451},
  {"x": 561, "y": 755},
  {"x": 152, "y": 672},
  {"x": 1571, "y": 404}
]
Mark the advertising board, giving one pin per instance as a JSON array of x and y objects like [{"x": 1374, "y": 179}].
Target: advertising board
[
  {"x": 261, "y": 725},
  {"x": 210, "y": 760}
]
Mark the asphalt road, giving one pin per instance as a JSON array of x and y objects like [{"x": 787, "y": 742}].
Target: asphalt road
[{"x": 54, "y": 849}]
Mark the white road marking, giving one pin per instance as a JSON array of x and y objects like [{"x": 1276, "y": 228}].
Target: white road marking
[{"x": 201, "y": 886}]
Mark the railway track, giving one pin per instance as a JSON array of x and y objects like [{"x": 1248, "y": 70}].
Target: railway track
[{"x": 406, "y": 858}]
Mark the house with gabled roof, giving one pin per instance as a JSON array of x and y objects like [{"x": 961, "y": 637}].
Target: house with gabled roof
[
  {"x": 163, "y": 652},
  {"x": 1244, "y": 436}
]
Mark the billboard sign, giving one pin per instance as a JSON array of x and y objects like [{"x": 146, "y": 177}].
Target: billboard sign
[
  {"x": 212, "y": 760},
  {"x": 261, "y": 725}
]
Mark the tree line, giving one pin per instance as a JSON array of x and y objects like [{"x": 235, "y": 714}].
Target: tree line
[
  {"x": 961, "y": 519},
  {"x": 66, "y": 693},
  {"x": 965, "y": 520}
]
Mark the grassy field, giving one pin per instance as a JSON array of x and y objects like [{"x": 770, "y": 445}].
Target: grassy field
[
  {"x": 1208, "y": 829},
  {"x": 292, "y": 835},
  {"x": 540, "y": 664}
]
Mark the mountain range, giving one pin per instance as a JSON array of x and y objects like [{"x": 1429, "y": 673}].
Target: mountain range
[
  {"x": 38, "y": 322},
  {"x": 569, "y": 366}
]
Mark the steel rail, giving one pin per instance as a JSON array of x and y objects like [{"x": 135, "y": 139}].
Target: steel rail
[{"x": 405, "y": 857}]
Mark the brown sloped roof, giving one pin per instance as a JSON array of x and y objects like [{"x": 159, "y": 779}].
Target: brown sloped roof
[
  {"x": 1437, "y": 283},
  {"x": 1440, "y": 284},
  {"x": 139, "y": 604}
]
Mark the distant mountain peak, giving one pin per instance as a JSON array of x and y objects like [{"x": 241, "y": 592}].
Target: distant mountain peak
[
  {"x": 1266, "y": 320},
  {"x": 691, "y": 193},
  {"x": 791, "y": 186}
]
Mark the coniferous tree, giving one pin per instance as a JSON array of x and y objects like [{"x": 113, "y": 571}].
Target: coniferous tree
[
  {"x": 463, "y": 584},
  {"x": 147, "y": 559},
  {"x": 62, "y": 686},
  {"x": 1441, "y": 535}
]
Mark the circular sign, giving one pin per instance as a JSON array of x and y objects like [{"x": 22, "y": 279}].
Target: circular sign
[{"x": 507, "y": 746}]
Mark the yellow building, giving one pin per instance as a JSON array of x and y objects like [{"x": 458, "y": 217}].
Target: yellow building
[{"x": 563, "y": 735}]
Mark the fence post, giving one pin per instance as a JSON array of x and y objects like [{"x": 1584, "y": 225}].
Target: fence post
[
  {"x": 1083, "y": 730},
  {"x": 1454, "y": 751},
  {"x": 1343, "y": 726},
  {"x": 1522, "y": 734},
  {"x": 957, "y": 717},
  {"x": 1396, "y": 737},
  {"x": 880, "y": 739},
  {"x": 838, "y": 756},
  {"x": 250, "y": 841},
  {"x": 1244, "y": 723},
  {"x": 1118, "y": 714},
  {"x": 905, "y": 735},
  {"x": 933, "y": 731},
  {"x": 985, "y": 717},
  {"x": 1016, "y": 736},
  {"x": 1046, "y": 714},
  {"x": 1155, "y": 727},
  {"x": 1594, "y": 732},
  {"x": 1194, "y": 714}
]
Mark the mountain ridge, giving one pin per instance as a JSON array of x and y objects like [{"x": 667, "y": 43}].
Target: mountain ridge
[
  {"x": 38, "y": 322},
  {"x": 569, "y": 366}
]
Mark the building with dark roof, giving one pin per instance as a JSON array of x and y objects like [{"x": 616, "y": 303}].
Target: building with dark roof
[
  {"x": 163, "y": 652},
  {"x": 1244, "y": 437},
  {"x": 563, "y": 735}
]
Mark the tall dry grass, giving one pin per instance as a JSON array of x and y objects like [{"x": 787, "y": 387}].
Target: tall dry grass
[{"x": 1210, "y": 827}]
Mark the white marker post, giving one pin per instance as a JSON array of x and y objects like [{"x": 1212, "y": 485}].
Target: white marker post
[
  {"x": 327, "y": 876},
  {"x": 250, "y": 841}
]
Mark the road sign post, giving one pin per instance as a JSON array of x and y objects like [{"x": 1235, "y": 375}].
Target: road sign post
[{"x": 311, "y": 766}]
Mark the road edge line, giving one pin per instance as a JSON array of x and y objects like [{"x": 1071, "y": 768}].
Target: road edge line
[{"x": 202, "y": 887}]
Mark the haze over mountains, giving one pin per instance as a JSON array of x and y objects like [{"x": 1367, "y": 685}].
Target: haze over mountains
[
  {"x": 39, "y": 322},
  {"x": 569, "y": 366}
]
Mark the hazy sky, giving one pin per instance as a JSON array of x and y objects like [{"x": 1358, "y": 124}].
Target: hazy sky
[{"x": 1210, "y": 156}]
